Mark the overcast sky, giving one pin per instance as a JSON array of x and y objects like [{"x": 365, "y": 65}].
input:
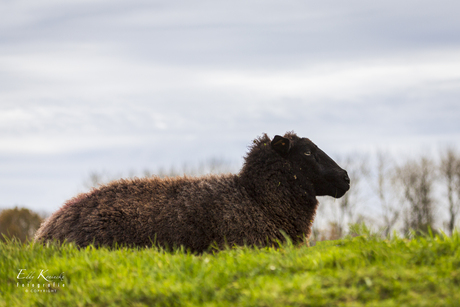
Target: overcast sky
[{"x": 120, "y": 86}]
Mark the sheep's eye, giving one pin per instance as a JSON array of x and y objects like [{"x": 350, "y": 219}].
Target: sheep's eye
[{"x": 308, "y": 153}]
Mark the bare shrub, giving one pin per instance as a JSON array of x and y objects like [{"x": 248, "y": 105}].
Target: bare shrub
[
  {"x": 382, "y": 187},
  {"x": 416, "y": 179},
  {"x": 209, "y": 166},
  {"x": 449, "y": 171}
]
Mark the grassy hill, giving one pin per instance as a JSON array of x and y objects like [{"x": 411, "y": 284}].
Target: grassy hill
[{"x": 360, "y": 271}]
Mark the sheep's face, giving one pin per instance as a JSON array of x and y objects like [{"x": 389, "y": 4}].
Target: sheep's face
[{"x": 312, "y": 166}]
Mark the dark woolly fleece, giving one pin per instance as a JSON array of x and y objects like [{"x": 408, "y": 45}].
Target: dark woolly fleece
[{"x": 271, "y": 193}]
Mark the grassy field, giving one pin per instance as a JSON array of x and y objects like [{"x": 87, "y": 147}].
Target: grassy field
[{"x": 360, "y": 271}]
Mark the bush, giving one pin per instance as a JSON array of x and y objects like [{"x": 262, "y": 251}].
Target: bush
[{"x": 19, "y": 223}]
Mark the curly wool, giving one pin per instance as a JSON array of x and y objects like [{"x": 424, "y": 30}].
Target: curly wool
[{"x": 256, "y": 207}]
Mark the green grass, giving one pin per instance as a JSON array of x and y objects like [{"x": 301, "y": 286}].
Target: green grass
[{"x": 360, "y": 271}]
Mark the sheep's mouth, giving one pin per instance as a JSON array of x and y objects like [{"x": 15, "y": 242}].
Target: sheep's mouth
[
  {"x": 333, "y": 188},
  {"x": 337, "y": 185},
  {"x": 341, "y": 189}
]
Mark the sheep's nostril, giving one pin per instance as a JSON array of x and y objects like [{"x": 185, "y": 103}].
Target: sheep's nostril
[{"x": 347, "y": 179}]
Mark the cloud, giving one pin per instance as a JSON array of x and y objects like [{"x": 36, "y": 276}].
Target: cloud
[{"x": 89, "y": 94}]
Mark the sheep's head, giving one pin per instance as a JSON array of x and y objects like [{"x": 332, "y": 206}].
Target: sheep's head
[{"x": 309, "y": 163}]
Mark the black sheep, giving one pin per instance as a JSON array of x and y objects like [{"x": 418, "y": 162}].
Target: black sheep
[{"x": 273, "y": 195}]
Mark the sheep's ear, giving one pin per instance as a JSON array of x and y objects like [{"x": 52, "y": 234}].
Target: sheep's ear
[{"x": 281, "y": 144}]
